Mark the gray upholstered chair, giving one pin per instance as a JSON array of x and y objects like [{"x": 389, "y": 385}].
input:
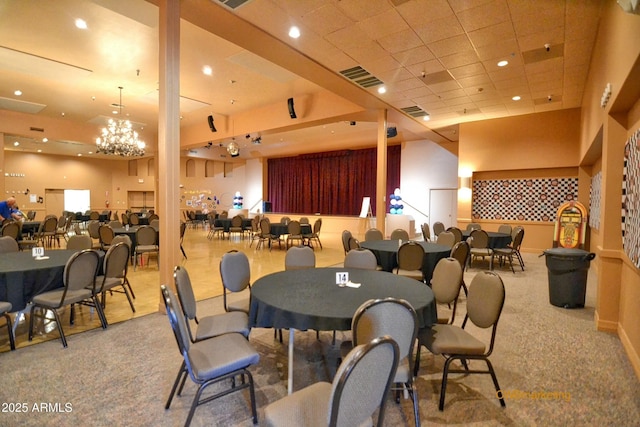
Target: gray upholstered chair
[
  {"x": 217, "y": 360},
  {"x": 446, "y": 238},
  {"x": 353, "y": 243},
  {"x": 236, "y": 226},
  {"x": 505, "y": 228},
  {"x": 106, "y": 236},
  {"x": 134, "y": 219},
  {"x": 8, "y": 244},
  {"x": 235, "y": 272},
  {"x": 460, "y": 252},
  {"x": 426, "y": 232},
  {"x": 315, "y": 233},
  {"x": 484, "y": 306},
  {"x": 510, "y": 251},
  {"x": 410, "y": 260},
  {"x": 146, "y": 243},
  {"x": 122, "y": 238},
  {"x": 457, "y": 233},
  {"x": 361, "y": 258},
  {"x": 115, "y": 224},
  {"x": 369, "y": 367},
  {"x": 79, "y": 273},
  {"x": 480, "y": 246},
  {"x": 114, "y": 278},
  {"x": 438, "y": 228},
  {"x": 207, "y": 326},
  {"x": 295, "y": 233},
  {"x": 473, "y": 226},
  {"x": 93, "y": 227},
  {"x": 399, "y": 234},
  {"x": 346, "y": 235},
  {"x": 299, "y": 257},
  {"x": 395, "y": 318},
  {"x": 5, "y": 309},
  {"x": 79, "y": 242},
  {"x": 445, "y": 284},
  {"x": 373, "y": 234},
  {"x": 11, "y": 229},
  {"x": 265, "y": 234}
]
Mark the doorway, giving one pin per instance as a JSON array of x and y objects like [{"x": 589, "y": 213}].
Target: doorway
[
  {"x": 139, "y": 200},
  {"x": 443, "y": 206},
  {"x": 54, "y": 201}
]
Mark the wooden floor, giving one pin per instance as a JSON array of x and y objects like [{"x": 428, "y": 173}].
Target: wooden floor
[{"x": 203, "y": 267}]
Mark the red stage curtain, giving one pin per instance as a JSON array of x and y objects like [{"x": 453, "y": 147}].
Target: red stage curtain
[{"x": 331, "y": 183}]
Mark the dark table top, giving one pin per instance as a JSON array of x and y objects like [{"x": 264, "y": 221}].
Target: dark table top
[
  {"x": 386, "y": 252},
  {"x": 131, "y": 232},
  {"x": 496, "y": 240},
  {"x": 280, "y": 229},
  {"x": 225, "y": 223},
  {"x": 310, "y": 298}
]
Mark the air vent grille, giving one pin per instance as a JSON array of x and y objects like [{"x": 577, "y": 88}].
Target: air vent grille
[
  {"x": 361, "y": 77},
  {"x": 234, "y": 4},
  {"x": 415, "y": 111}
]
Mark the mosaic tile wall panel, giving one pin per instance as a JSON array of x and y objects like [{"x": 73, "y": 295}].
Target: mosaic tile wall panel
[
  {"x": 594, "y": 201},
  {"x": 522, "y": 199},
  {"x": 631, "y": 199}
]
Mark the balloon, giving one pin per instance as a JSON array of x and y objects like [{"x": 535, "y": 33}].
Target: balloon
[
  {"x": 399, "y": 211},
  {"x": 392, "y": 211},
  {"x": 394, "y": 202},
  {"x": 396, "y": 191}
]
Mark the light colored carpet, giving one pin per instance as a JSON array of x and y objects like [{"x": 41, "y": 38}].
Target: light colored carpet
[{"x": 559, "y": 370}]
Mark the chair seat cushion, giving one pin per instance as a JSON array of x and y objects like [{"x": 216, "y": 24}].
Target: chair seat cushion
[
  {"x": 503, "y": 251},
  {"x": 211, "y": 326},
  {"x": 221, "y": 355},
  {"x": 52, "y": 298},
  {"x": 449, "y": 339},
  {"x": 5, "y": 307},
  {"x": 146, "y": 248},
  {"x": 238, "y": 305},
  {"x": 308, "y": 407},
  {"x": 414, "y": 274},
  {"x": 110, "y": 282}
]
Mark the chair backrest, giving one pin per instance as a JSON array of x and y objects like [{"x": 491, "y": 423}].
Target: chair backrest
[
  {"x": 460, "y": 252},
  {"x": 116, "y": 260},
  {"x": 317, "y": 226},
  {"x": 399, "y": 234},
  {"x": 294, "y": 228},
  {"x": 346, "y": 235},
  {"x": 235, "y": 271},
  {"x": 134, "y": 219},
  {"x": 362, "y": 382},
  {"x": 62, "y": 221},
  {"x": 8, "y": 244},
  {"x": 94, "y": 215},
  {"x": 236, "y": 221},
  {"x": 115, "y": 224},
  {"x": 79, "y": 242},
  {"x": 155, "y": 224},
  {"x": 517, "y": 240},
  {"x": 457, "y": 233},
  {"x": 31, "y": 215},
  {"x": 146, "y": 235},
  {"x": 224, "y": 215},
  {"x": 50, "y": 224},
  {"x": 80, "y": 271},
  {"x": 373, "y": 234},
  {"x": 106, "y": 234},
  {"x": 304, "y": 220},
  {"x": 122, "y": 238},
  {"x": 285, "y": 220},
  {"x": 183, "y": 229},
  {"x": 473, "y": 226},
  {"x": 446, "y": 238},
  {"x": 353, "y": 243},
  {"x": 265, "y": 227},
  {"x": 438, "y": 228},
  {"x": 505, "y": 228},
  {"x": 360, "y": 258},
  {"x": 480, "y": 239},
  {"x": 299, "y": 257},
  {"x": 446, "y": 280},
  {"x": 93, "y": 227},
  {"x": 426, "y": 232},
  {"x": 178, "y": 323},
  {"x": 485, "y": 301},
  {"x": 153, "y": 217},
  {"x": 125, "y": 218},
  {"x": 11, "y": 229},
  {"x": 515, "y": 230},
  {"x": 410, "y": 256},
  {"x": 185, "y": 293}
]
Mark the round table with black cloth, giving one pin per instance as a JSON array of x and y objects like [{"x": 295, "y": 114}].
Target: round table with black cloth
[
  {"x": 386, "y": 252},
  {"x": 131, "y": 232},
  {"x": 225, "y": 223},
  {"x": 496, "y": 240},
  {"x": 279, "y": 229},
  {"x": 22, "y": 276}
]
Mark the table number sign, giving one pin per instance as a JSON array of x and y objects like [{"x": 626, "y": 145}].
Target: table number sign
[
  {"x": 37, "y": 252},
  {"x": 342, "y": 277}
]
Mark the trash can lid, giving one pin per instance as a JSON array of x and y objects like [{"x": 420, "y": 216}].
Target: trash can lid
[{"x": 567, "y": 252}]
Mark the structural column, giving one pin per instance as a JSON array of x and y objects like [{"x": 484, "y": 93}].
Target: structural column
[
  {"x": 168, "y": 173},
  {"x": 381, "y": 173}
]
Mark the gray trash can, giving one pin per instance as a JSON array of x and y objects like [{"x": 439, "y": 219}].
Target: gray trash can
[{"x": 568, "y": 270}]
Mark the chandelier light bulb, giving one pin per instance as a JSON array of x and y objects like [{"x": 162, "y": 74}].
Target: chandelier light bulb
[{"x": 119, "y": 139}]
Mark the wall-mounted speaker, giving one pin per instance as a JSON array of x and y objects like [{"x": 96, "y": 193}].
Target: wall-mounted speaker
[
  {"x": 211, "y": 126},
  {"x": 391, "y": 132},
  {"x": 292, "y": 112}
]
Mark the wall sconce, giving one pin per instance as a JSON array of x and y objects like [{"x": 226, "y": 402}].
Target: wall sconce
[{"x": 464, "y": 182}]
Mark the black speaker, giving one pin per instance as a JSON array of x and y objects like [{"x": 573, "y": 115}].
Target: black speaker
[
  {"x": 266, "y": 206},
  {"x": 211, "y": 126},
  {"x": 391, "y": 132},
  {"x": 292, "y": 112}
]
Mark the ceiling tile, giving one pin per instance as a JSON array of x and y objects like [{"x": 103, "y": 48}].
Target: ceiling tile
[
  {"x": 383, "y": 24},
  {"x": 400, "y": 41},
  {"x": 459, "y": 59},
  {"x": 439, "y": 29},
  {"x": 326, "y": 19},
  {"x": 414, "y": 56},
  {"x": 485, "y": 15}
]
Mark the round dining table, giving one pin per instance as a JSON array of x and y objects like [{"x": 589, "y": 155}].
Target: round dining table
[
  {"x": 496, "y": 240},
  {"x": 312, "y": 299},
  {"x": 386, "y": 252}
]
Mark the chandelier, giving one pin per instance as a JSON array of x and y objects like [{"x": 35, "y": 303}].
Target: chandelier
[{"x": 119, "y": 138}]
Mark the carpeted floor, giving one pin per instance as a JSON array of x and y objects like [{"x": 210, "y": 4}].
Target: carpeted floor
[{"x": 555, "y": 367}]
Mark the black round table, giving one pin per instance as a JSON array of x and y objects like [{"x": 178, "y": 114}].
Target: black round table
[
  {"x": 496, "y": 240},
  {"x": 311, "y": 299},
  {"x": 386, "y": 252}
]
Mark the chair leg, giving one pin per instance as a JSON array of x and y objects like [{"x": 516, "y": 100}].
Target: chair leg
[
  {"x": 443, "y": 387},
  {"x": 495, "y": 383},
  {"x": 12, "y": 340},
  {"x": 181, "y": 373}
]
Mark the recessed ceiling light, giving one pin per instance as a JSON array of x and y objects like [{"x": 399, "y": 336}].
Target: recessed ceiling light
[
  {"x": 382, "y": 89},
  {"x": 81, "y": 23},
  {"x": 90, "y": 152},
  {"x": 79, "y": 154},
  {"x": 426, "y": 117},
  {"x": 39, "y": 150},
  {"x": 503, "y": 63},
  {"x": 516, "y": 98},
  {"x": 45, "y": 139},
  {"x": 15, "y": 144},
  {"x": 17, "y": 92},
  {"x": 206, "y": 70},
  {"x": 114, "y": 112},
  {"x": 294, "y": 32}
]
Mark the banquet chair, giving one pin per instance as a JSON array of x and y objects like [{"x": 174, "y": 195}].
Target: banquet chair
[
  {"x": 265, "y": 234},
  {"x": 235, "y": 272},
  {"x": 208, "y": 362},
  {"x": 438, "y": 228},
  {"x": 153, "y": 217},
  {"x": 79, "y": 242},
  {"x": 94, "y": 216},
  {"x": 125, "y": 218},
  {"x": 255, "y": 230},
  {"x": 236, "y": 226},
  {"x": 114, "y": 277},
  {"x": 62, "y": 230},
  {"x": 480, "y": 246},
  {"x": 461, "y": 252},
  {"x": 473, "y": 226},
  {"x": 183, "y": 230},
  {"x": 426, "y": 233},
  {"x": 399, "y": 234},
  {"x": 315, "y": 234},
  {"x": 207, "y": 326},
  {"x": 49, "y": 229},
  {"x": 346, "y": 235},
  {"x": 106, "y": 236},
  {"x": 304, "y": 220},
  {"x": 362, "y": 259},
  {"x": 353, "y": 243},
  {"x": 295, "y": 233},
  {"x": 155, "y": 224},
  {"x": 397, "y": 319},
  {"x": 510, "y": 251},
  {"x": 224, "y": 214},
  {"x": 115, "y": 224},
  {"x": 410, "y": 260},
  {"x": 122, "y": 238},
  {"x": 457, "y": 233},
  {"x": 446, "y": 238},
  {"x": 505, "y": 228},
  {"x": 285, "y": 220},
  {"x": 11, "y": 229},
  {"x": 8, "y": 244},
  {"x": 299, "y": 257},
  {"x": 5, "y": 309},
  {"x": 484, "y": 306},
  {"x": 213, "y": 228},
  {"x": 31, "y": 215},
  {"x": 35, "y": 240},
  {"x": 373, "y": 234},
  {"x": 134, "y": 219},
  {"x": 445, "y": 284},
  {"x": 93, "y": 227},
  {"x": 146, "y": 243},
  {"x": 369, "y": 367},
  {"x": 79, "y": 272}
]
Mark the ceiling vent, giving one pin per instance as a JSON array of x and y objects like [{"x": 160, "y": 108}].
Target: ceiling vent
[
  {"x": 36, "y": 129},
  {"x": 361, "y": 76},
  {"x": 414, "y": 111},
  {"x": 542, "y": 54},
  {"x": 233, "y": 4}
]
